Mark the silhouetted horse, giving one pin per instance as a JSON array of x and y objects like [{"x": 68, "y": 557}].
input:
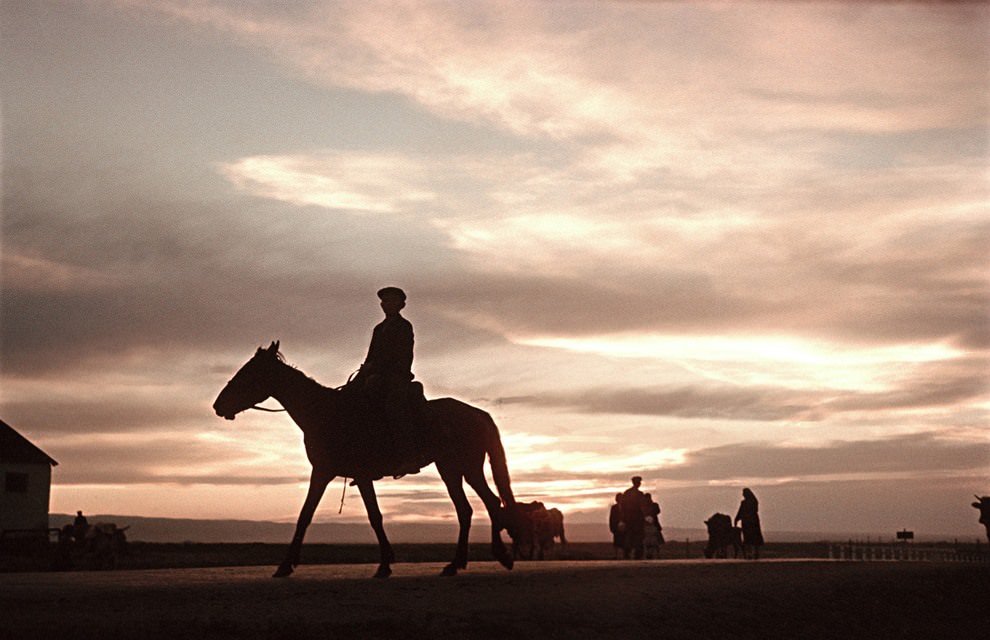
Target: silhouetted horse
[
  {"x": 722, "y": 535},
  {"x": 535, "y": 530},
  {"x": 340, "y": 443}
]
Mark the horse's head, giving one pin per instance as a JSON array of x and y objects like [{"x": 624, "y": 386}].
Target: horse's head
[{"x": 253, "y": 383}]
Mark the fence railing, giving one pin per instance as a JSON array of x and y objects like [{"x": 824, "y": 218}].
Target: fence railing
[{"x": 905, "y": 553}]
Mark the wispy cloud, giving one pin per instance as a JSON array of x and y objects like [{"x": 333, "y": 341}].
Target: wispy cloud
[{"x": 356, "y": 184}]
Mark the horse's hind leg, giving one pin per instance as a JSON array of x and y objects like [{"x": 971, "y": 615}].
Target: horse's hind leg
[
  {"x": 464, "y": 511},
  {"x": 494, "y": 506}
]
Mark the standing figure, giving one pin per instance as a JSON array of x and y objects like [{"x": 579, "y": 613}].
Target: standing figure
[
  {"x": 79, "y": 527},
  {"x": 749, "y": 515},
  {"x": 386, "y": 377},
  {"x": 651, "y": 528},
  {"x": 984, "y": 506},
  {"x": 617, "y": 526},
  {"x": 634, "y": 517}
]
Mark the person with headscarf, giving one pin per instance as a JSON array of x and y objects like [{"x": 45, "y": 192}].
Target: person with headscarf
[
  {"x": 749, "y": 516},
  {"x": 617, "y": 526}
]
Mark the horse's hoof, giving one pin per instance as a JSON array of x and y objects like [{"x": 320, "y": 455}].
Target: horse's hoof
[
  {"x": 282, "y": 572},
  {"x": 506, "y": 561},
  {"x": 383, "y": 572},
  {"x": 449, "y": 570}
]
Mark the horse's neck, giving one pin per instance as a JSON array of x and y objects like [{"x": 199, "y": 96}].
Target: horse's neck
[{"x": 306, "y": 400}]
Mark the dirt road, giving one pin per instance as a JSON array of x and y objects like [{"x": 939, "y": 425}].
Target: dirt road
[{"x": 589, "y": 599}]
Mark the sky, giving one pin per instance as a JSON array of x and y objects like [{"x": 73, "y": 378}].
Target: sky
[{"x": 718, "y": 245}]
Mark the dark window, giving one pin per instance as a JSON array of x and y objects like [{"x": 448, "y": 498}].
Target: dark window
[{"x": 15, "y": 483}]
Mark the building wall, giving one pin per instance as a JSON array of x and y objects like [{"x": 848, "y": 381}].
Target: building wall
[{"x": 25, "y": 490}]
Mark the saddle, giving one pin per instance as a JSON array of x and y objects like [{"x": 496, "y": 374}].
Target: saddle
[{"x": 376, "y": 446}]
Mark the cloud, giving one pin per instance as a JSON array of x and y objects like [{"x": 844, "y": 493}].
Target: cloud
[
  {"x": 252, "y": 454},
  {"x": 614, "y": 236},
  {"x": 936, "y": 386},
  {"x": 121, "y": 409},
  {"x": 24, "y": 272},
  {"x": 635, "y": 78},
  {"x": 913, "y": 455},
  {"x": 665, "y": 230},
  {"x": 371, "y": 184},
  {"x": 580, "y": 242},
  {"x": 909, "y": 456}
]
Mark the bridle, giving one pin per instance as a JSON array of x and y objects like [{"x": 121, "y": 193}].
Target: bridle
[{"x": 255, "y": 406}]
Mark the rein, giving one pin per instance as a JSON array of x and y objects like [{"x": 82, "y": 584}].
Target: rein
[{"x": 265, "y": 409}]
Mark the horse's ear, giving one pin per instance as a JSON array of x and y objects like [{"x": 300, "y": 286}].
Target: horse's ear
[{"x": 274, "y": 347}]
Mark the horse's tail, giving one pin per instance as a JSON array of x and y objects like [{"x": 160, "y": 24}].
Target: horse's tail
[{"x": 500, "y": 469}]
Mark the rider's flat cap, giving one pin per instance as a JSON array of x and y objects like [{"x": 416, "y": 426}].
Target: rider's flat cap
[{"x": 391, "y": 291}]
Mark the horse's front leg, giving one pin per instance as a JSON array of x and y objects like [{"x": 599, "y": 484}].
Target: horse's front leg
[
  {"x": 318, "y": 481},
  {"x": 387, "y": 557}
]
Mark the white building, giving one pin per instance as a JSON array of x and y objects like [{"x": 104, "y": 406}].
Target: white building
[{"x": 25, "y": 482}]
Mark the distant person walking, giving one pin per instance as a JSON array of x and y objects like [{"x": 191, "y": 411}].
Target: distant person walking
[
  {"x": 633, "y": 514},
  {"x": 749, "y": 516},
  {"x": 652, "y": 531},
  {"x": 617, "y": 526}
]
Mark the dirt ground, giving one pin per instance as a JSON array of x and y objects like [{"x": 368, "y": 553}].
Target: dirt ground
[{"x": 564, "y": 599}]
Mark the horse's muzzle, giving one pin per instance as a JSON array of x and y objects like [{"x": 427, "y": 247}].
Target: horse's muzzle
[{"x": 225, "y": 416}]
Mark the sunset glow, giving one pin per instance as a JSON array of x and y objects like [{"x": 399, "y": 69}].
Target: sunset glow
[{"x": 716, "y": 245}]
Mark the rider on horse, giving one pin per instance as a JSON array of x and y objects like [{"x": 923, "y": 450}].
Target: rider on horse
[{"x": 386, "y": 378}]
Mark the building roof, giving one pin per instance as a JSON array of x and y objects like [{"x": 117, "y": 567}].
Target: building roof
[{"x": 16, "y": 448}]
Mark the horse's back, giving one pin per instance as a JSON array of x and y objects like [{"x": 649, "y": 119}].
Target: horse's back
[
  {"x": 457, "y": 407},
  {"x": 451, "y": 413},
  {"x": 457, "y": 425}
]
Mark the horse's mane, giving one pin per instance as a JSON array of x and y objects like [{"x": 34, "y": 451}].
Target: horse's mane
[{"x": 301, "y": 374}]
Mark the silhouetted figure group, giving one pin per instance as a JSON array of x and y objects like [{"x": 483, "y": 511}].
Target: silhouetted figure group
[
  {"x": 96, "y": 546},
  {"x": 634, "y": 521},
  {"x": 722, "y": 535},
  {"x": 724, "y": 532}
]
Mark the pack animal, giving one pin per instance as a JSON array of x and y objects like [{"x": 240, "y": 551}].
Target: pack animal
[
  {"x": 537, "y": 530},
  {"x": 339, "y": 443},
  {"x": 721, "y": 536}
]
